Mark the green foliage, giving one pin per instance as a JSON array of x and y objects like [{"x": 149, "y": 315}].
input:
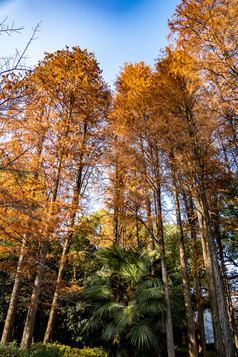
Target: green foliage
[
  {"x": 37, "y": 350},
  {"x": 67, "y": 351},
  {"x": 127, "y": 304},
  {"x": 49, "y": 350}
]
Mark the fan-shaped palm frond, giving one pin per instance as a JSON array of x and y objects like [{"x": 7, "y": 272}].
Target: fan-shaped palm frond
[
  {"x": 154, "y": 292},
  {"x": 108, "y": 308},
  {"x": 97, "y": 292},
  {"x": 142, "y": 336},
  {"x": 92, "y": 324},
  {"x": 111, "y": 331},
  {"x": 128, "y": 315},
  {"x": 150, "y": 283},
  {"x": 156, "y": 307}
]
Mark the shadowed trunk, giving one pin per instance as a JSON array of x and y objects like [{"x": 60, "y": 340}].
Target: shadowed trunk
[
  {"x": 223, "y": 337},
  {"x": 12, "y": 309},
  {"x": 67, "y": 241},
  {"x": 186, "y": 289},
  {"x": 31, "y": 313},
  {"x": 160, "y": 236}
]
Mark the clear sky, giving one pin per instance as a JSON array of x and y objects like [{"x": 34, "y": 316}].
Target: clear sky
[{"x": 118, "y": 31}]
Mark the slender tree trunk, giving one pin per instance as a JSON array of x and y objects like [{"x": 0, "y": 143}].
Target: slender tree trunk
[
  {"x": 186, "y": 289},
  {"x": 148, "y": 199},
  {"x": 137, "y": 227},
  {"x": 150, "y": 223},
  {"x": 160, "y": 235},
  {"x": 192, "y": 218},
  {"x": 200, "y": 320},
  {"x": 230, "y": 309},
  {"x": 68, "y": 238},
  {"x": 118, "y": 200},
  {"x": 31, "y": 313},
  {"x": 54, "y": 305},
  {"x": 223, "y": 337},
  {"x": 222, "y": 331},
  {"x": 12, "y": 309}
]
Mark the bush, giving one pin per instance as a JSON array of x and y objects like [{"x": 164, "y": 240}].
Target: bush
[
  {"x": 12, "y": 350},
  {"x": 67, "y": 351},
  {"x": 49, "y": 350},
  {"x": 44, "y": 350},
  {"x": 37, "y": 350}
]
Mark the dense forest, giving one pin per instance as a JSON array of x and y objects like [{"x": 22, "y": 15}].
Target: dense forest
[{"x": 158, "y": 155}]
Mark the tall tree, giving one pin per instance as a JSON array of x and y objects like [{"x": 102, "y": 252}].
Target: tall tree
[
  {"x": 135, "y": 122},
  {"x": 88, "y": 103},
  {"x": 60, "y": 127},
  {"x": 193, "y": 149}
]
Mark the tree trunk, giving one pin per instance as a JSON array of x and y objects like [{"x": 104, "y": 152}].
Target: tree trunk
[
  {"x": 12, "y": 309},
  {"x": 150, "y": 223},
  {"x": 223, "y": 337},
  {"x": 200, "y": 320},
  {"x": 160, "y": 235},
  {"x": 31, "y": 314},
  {"x": 186, "y": 289},
  {"x": 222, "y": 332},
  {"x": 230, "y": 309},
  {"x": 68, "y": 238},
  {"x": 54, "y": 305}
]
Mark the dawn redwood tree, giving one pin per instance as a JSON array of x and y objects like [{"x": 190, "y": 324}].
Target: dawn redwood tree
[
  {"x": 207, "y": 29},
  {"x": 62, "y": 119},
  {"x": 88, "y": 100},
  {"x": 135, "y": 122},
  {"x": 21, "y": 186},
  {"x": 197, "y": 157}
]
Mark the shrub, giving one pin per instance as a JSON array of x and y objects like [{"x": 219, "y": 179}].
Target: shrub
[
  {"x": 44, "y": 350},
  {"x": 67, "y": 351},
  {"x": 49, "y": 350},
  {"x": 10, "y": 350},
  {"x": 37, "y": 350}
]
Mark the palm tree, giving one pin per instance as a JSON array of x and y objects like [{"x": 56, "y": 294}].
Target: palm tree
[{"x": 128, "y": 308}]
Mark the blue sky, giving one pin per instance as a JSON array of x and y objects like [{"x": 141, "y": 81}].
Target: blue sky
[{"x": 118, "y": 31}]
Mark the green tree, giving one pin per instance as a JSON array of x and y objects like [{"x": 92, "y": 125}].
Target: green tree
[{"x": 128, "y": 308}]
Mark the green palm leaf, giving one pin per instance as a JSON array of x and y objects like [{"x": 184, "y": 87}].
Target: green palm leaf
[
  {"x": 150, "y": 283},
  {"x": 110, "y": 331},
  {"x": 92, "y": 324},
  {"x": 142, "y": 336},
  {"x": 149, "y": 293},
  {"x": 128, "y": 315},
  {"x": 108, "y": 308},
  {"x": 127, "y": 302},
  {"x": 97, "y": 292},
  {"x": 153, "y": 307}
]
